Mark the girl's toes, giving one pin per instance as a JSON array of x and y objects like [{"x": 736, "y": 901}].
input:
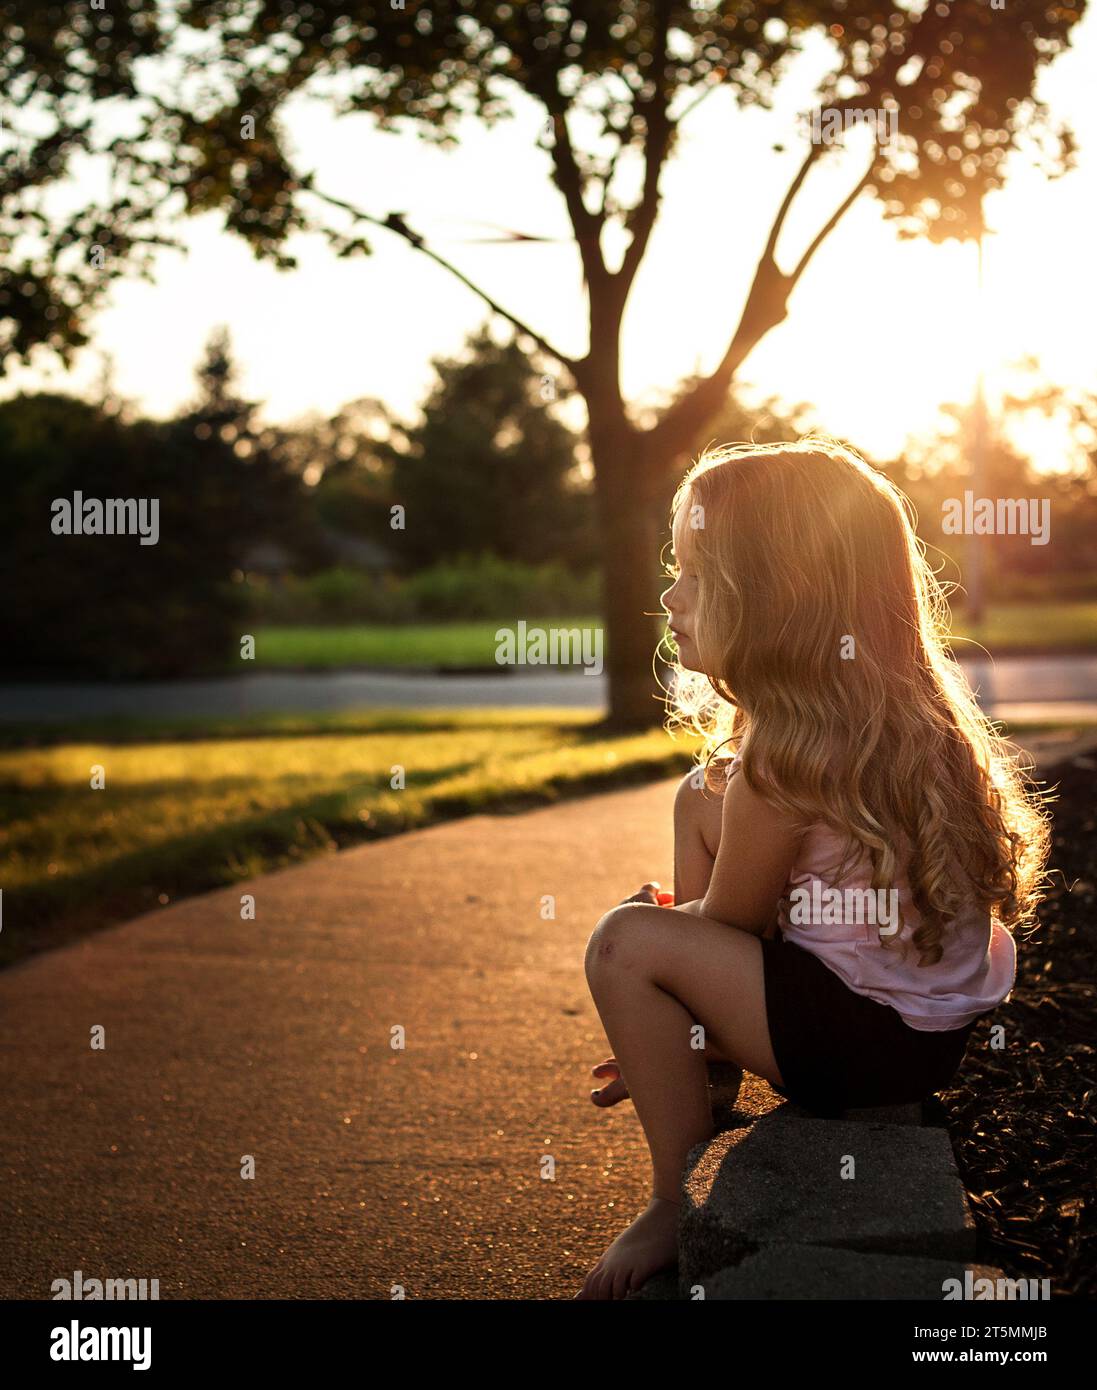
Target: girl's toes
[
  {"x": 590, "y": 1283},
  {"x": 609, "y": 1095}
]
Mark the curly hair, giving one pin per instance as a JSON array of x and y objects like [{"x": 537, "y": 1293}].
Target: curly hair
[{"x": 824, "y": 635}]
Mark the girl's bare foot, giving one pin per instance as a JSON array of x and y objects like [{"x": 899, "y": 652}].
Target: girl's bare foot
[{"x": 649, "y": 1244}]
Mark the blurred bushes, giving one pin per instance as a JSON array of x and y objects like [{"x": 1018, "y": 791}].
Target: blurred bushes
[
  {"x": 83, "y": 607},
  {"x": 466, "y": 588}
]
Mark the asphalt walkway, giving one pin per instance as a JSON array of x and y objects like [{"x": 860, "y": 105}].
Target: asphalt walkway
[{"x": 374, "y": 1167}]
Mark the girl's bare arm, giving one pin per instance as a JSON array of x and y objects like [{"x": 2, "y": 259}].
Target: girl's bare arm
[
  {"x": 699, "y": 818},
  {"x": 756, "y": 855},
  {"x": 697, "y": 827}
]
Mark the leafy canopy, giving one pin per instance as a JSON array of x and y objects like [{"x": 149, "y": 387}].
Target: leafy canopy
[{"x": 163, "y": 108}]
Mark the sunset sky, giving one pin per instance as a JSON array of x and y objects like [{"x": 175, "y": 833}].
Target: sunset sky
[{"x": 879, "y": 332}]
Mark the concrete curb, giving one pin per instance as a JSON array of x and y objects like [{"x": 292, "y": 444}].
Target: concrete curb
[
  {"x": 783, "y": 1204},
  {"x": 821, "y": 1272},
  {"x": 845, "y": 1183}
]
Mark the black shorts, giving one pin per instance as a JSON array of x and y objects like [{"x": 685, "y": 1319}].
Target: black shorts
[{"x": 840, "y": 1050}]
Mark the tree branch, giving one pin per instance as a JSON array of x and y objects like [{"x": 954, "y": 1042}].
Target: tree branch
[
  {"x": 706, "y": 92},
  {"x": 588, "y": 225},
  {"x": 766, "y": 307},
  {"x": 660, "y": 130},
  {"x": 610, "y": 172},
  {"x": 830, "y": 224},
  {"x": 394, "y": 223},
  {"x": 770, "y": 253}
]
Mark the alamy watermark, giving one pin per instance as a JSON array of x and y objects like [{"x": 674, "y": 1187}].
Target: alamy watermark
[
  {"x": 554, "y": 646},
  {"x": 827, "y": 124},
  {"x": 819, "y": 905},
  {"x": 997, "y": 516},
  {"x": 94, "y": 1343},
  {"x": 115, "y": 516},
  {"x": 81, "y": 1290},
  {"x": 1023, "y": 1290}
]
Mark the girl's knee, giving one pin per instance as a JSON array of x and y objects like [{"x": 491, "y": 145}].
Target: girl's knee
[{"x": 621, "y": 938}]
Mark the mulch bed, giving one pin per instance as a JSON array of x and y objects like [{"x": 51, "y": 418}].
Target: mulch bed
[{"x": 1022, "y": 1119}]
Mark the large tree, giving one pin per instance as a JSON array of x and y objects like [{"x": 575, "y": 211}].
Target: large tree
[{"x": 193, "y": 92}]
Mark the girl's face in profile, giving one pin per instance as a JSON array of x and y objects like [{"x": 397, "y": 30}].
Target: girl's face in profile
[{"x": 680, "y": 600}]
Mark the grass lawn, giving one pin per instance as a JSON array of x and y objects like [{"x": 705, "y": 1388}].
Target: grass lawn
[
  {"x": 189, "y": 806},
  {"x": 426, "y": 645},
  {"x": 1008, "y": 626},
  {"x": 1047, "y": 625},
  {"x": 186, "y": 808}
]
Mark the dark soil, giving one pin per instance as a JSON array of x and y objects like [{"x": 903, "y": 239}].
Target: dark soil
[{"x": 1022, "y": 1118}]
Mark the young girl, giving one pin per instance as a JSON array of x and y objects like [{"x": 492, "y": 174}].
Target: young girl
[{"x": 847, "y": 882}]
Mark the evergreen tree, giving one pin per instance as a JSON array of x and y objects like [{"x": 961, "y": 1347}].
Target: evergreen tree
[{"x": 491, "y": 467}]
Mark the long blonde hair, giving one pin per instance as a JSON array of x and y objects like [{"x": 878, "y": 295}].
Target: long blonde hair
[{"x": 824, "y": 636}]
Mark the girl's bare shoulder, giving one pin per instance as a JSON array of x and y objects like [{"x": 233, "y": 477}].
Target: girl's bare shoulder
[
  {"x": 710, "y": 779},
  {"x": 721, "y": 771}
]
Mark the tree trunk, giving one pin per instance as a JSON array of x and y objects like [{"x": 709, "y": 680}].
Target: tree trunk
[{"x": 631, "y": 528}]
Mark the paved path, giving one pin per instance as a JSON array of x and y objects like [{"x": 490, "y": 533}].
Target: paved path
[
  {"x": 270, "y": 1038},
  {"x": 1044, "y": 688}
]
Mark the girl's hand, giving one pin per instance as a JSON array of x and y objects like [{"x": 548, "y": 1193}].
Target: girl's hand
[
  {"x": 615, "y": 1090},
  {"x": 652, "y": 894}
]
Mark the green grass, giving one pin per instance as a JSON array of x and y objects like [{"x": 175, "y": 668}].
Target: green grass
[
  {"x": 1008, "y": 627},
  {"x": 1012, "y": 626},
  {"x": 190, "y": 806},
  {"x": 185, "y": 810},
  {"x": 426, "y": 645}
]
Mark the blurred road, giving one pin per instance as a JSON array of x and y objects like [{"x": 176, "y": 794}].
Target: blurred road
[{"x": 1050, "y": 688}]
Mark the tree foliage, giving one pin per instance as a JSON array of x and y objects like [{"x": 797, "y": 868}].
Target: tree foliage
[
  {"x": 85, "y": 605},
  {"x": 168, "y": 110},
  {"x": 489, "y": 467}
]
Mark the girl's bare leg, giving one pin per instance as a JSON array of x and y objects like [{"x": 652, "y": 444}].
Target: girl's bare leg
[
  {"x": 614, "y": 1090},
  {"x": 653, "y": 972},
  {"x": 697, "y": 825}
]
